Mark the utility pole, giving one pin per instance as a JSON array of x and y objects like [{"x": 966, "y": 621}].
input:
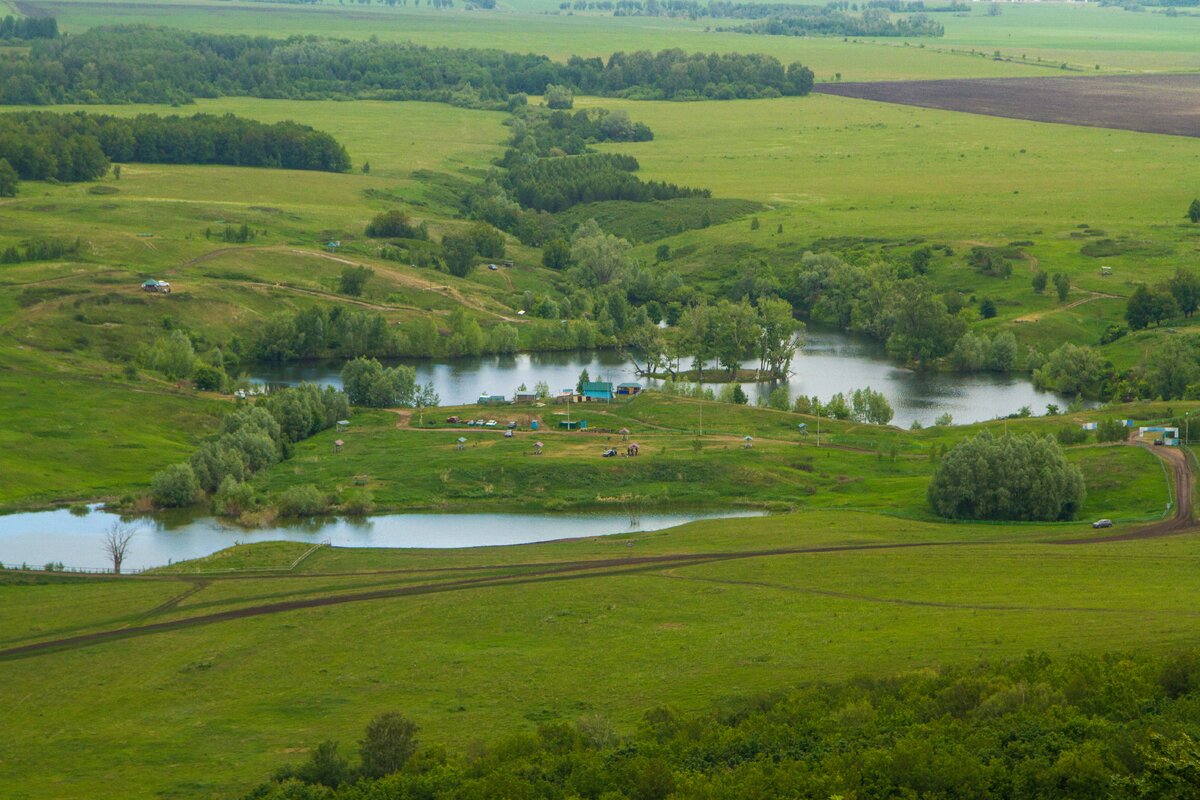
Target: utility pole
[{"x": 818, "y": 427}]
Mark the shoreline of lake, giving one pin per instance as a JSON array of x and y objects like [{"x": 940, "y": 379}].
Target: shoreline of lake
[{"x": 37, "y": 538}]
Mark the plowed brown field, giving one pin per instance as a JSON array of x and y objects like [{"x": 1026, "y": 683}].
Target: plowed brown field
[{"x": 1148, "y": 103}]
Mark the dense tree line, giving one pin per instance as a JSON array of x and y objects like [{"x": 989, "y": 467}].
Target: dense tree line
[
  {"x": 1024, "y": 478},
  {"x": 80, "y": 146},
  {"x": 318, "y": 332},
  {"x": 157, "y": 65},
  {"x": 719, "y": 9},
  {"x": 824, "y": 22},
  {"x": 252, "y": 438},
  {"x": 28, "y": 27},
  {"x": 556, "y": 184},
  {"x": 832, "y": 19},
  {"x": 1116, "y": 726}
]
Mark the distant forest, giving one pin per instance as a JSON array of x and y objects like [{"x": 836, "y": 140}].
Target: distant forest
[
  {"x": 872, "y": 22},
  {"x": 81, "y": 146},
  {"x": 139, "y": 64},
  {"x": 833, "y": 19}
]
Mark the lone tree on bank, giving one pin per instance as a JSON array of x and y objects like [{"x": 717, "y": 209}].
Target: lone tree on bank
[
  {"x": 1020, "y": 478},
  {"x": 116, "y": 544},
  {"x": 1194, "y": 210}
]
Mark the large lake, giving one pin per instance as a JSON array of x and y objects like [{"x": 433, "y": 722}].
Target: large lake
[
  {"x": 41, "y": 537},
  {"x": 830, "y": 362}
]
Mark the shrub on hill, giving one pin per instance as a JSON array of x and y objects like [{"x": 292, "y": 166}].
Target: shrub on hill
[
  {"x": 1021, "y": 478},
  {"x": 395, "y": 224}
]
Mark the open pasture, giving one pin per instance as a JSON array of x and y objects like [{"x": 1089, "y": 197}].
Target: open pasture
[{"x": 1148, "y": 103}]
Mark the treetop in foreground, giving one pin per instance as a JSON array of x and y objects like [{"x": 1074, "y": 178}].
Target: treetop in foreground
[{"x": 1019, "y": 478}]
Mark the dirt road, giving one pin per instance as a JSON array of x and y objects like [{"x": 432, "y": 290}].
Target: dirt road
[{"x": 1184, "y": 484}]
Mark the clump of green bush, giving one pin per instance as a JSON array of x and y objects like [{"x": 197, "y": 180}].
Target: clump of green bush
[{"x": 1020, "y": 478}]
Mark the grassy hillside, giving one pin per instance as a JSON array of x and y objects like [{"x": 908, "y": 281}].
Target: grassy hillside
[
  {"x": 856, "y": 177},
  {"x": 504, "y": 655}
]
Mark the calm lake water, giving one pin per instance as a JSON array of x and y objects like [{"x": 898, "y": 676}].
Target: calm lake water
[
  {"x": 830, "y": 362},
  {"x": 40, "y": 537}
]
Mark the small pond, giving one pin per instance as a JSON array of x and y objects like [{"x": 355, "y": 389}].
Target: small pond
[
  {"x": 40, "y": 537},
  {"x": 830, "y": 362}
]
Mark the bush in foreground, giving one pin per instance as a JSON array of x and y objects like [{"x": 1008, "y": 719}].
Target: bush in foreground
[
  {"x": 1021, "y": 478},
  {"x": 1117, "y": 726}
]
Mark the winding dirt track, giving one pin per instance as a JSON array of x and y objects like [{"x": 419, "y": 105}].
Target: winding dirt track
[{"x": 1180, "y": 522}]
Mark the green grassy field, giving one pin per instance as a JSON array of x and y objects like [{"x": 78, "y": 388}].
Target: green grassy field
[
  {"x": 1081, "y": 35},
  {"x": 475, "y": 663},
  {"x": 407, "y": 468},
  {"x": 852, "y": 174}
]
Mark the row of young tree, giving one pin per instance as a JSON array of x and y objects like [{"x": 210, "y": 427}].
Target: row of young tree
[
  {"x": 1120, "y": 726},
  {"x": 157, "y": 65},
  {"x": 726, "y": 334},
  {"x": 80, "y": 146}
]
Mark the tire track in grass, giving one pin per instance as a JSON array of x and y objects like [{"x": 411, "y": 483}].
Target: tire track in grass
[{"x": 565, "y": 571}]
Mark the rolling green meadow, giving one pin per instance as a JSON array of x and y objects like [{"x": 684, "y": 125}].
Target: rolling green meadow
[
  {"x": 475, "y": 664},
  {"x": 258, "y": 657}
]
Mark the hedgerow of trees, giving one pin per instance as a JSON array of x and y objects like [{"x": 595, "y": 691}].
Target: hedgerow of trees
[
  {"x": 1019, "y": 478},
  {"x": 139, "y": 64},
  {"x": 831, "y": 22},
  {"x": 1119, "y": 726},
  {"x": 80, "y": 146}
]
